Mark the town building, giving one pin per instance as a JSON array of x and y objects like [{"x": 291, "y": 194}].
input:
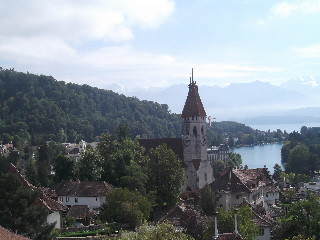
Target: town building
[
  {"x": 192, "y": 147},
  {"x": 252, "y": 184},
  {"x": 221, "y": 152},
  {"x": 89, "y": 193},
  {"x": 198, "y": 170}
]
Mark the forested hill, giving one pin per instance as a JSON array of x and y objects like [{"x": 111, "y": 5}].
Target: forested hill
[{"x": 33, "y": 107}]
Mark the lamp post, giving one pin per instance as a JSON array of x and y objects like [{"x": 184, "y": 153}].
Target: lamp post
[{"x": 216, "y": 234}]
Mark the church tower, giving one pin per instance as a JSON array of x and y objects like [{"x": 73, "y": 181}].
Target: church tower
[{"x": 198, "y": 170}]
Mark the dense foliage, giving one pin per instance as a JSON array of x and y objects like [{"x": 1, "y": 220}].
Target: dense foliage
[
  {"x": 247, "y": 229},
  {"x": 302, "y": 219},
  {"x": 33, "y": 106},
  {"x": 18, "y": 211},
  {"x": 301, "y": 152},
  {"x": 124, "y": 206}
]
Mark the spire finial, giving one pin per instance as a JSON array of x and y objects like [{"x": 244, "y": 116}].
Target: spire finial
[{"x": 192, "y": 75}]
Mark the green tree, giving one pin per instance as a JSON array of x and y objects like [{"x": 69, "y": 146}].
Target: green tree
[
  {"x": 218, "y": 166},
  {"x": 135, "y": 178},
  {"x": 298, "y": 160},
  {"x": 18, "y": 211},
  {"x": 235, "y": 159},
  {"x": 276, "y": 171},
  {"x": 302, "y": 219},
  {"x": 207, "y": 200},
  {"x": 65, "y": 168},
  {"x": 90, "y": 165},
  {"x": 124, "y": 206},
  {"x": 246, "y": 227},
  {"x": 285, "y": 150},
  {"x": 165, "y": 175},
  {"x": 192, "y": 223},
  {"x": 32, "y": 174},
  {"x": 118, "y": 157}
]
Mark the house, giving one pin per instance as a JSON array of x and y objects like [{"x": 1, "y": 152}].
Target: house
[
  {"x": 253, "y": 184},
  {"x": 91, "y": 193},
  {"x": 221, "y": 152},
  {"x": 47, "y": 198},
  {"x": 262, "y": 219}
]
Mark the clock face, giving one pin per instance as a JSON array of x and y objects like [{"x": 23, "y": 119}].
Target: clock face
[
  {"x": 186, "y": 142},
  {"x": 203, "y": 140}
]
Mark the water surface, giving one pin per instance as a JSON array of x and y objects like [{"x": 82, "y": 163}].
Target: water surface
[{"x": 259, "y": 155}]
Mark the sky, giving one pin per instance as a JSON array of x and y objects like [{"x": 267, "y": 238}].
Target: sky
[{"x": 143, "y": 43}]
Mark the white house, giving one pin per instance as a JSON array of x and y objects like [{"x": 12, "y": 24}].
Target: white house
[{"x": 91, "y": 193}]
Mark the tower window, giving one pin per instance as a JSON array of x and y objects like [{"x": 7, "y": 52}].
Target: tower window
[
  {"x": 195, "y": 130},
  {"x": 202, "y": 130},
  {"x": 187, "y": 130}
]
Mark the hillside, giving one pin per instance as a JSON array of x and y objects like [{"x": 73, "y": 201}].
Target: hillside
[{"x": 34, "y": 106}]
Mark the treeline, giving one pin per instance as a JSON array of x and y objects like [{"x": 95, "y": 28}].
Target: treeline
[
  {"x": 301, "y": 152},
  {"x": 238, "y": 134},
  {"x": 35, "y": 107}
]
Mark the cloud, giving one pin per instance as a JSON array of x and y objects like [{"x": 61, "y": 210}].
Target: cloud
[
  {"x": 311, "y": 51},
  {"x": 295, "y": 8},
  {"x": 74, "y": 35},
  {"x": 85, "y": 20}
]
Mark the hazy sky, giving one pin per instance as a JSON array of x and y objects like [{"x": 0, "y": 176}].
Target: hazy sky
[{"x": 156, "y": 42}]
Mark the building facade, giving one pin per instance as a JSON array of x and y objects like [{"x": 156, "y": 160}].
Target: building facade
[
  {"x": 198, "y": 170},
  {"x": 221, "y": 152}
]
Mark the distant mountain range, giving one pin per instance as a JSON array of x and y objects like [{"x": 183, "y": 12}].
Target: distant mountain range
[{"x": 294, "y": 101}]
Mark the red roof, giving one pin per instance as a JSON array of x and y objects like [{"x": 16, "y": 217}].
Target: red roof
[
  {"x": 193, "y": 106},
  {"x": 7, "y": 235}
]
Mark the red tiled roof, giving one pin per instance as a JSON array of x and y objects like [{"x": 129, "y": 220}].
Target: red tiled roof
[
  {"x": 78, "y": 211},
  {"x": 193, "y": 106},
  {"x": 7, "y": 235},
  {"x": 45, "y": 196},
  {"x": 82, "y": 188},
  {"x": 242, "y": 180},
  {"x": 268, "y": 189}
]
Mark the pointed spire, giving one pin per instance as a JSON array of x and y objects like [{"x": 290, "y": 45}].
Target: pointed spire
[{"x": 193, "y": 106}]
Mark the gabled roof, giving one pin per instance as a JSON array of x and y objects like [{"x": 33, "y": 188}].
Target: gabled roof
[
  {"x": 82, "y": 188},
  {"x": 242, "y": 180},
  {"x": 78, "y": 211},
  {"x": 260, "y": 219},
  {"x": 174, "y": 143},
  {"x": 193, "y": 106},
  {"x": 174, "y": 215},
  {"x": 8, "y": 235},
  {"x": 45, "y": 198}
]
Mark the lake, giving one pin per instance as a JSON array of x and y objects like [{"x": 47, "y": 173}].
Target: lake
[{"x": 259, "y": 155}]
